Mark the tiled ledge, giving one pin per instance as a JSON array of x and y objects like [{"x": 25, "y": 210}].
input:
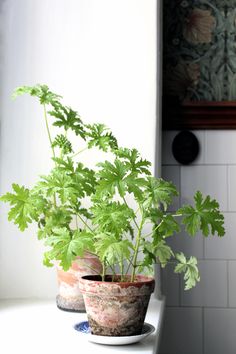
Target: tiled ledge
[{"x": 38, "y": 326}]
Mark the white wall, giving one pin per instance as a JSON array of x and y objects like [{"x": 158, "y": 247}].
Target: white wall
[{"x": 101, "y": 56}]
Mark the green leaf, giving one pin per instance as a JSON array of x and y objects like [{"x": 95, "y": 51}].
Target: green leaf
[
  {"x": 189, "y": 268},
  {"x": 204, "y": 216},
  {"x": 168, "y": 226},
  {"x": 99, "y": 135},
  {"x": 56, "y": 218},
  {"x": 163, "y": 252},
  {"x": 66, "y": 245},
  {"x": 133, "y": 161},
  {"x": 64, "y": 165},
  {"x": 158, "y": 192},
  {"x": 112, "y": 177},
  {"x": 63, "y": 143},
  {"x": 24, "y": 207},
  {"x": 84, "y": 179},
  {"x": 112, "y": 250},
  {"x": 116, "y": 177},
  {"x": 59, "y": 183},
  {"x": 41, "y": 91},
  {"x": 112, "y": 217},
  {"x": 68, "y": 119}
]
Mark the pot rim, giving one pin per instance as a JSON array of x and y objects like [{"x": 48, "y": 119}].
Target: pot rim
[{"x": 139, "y": 278}]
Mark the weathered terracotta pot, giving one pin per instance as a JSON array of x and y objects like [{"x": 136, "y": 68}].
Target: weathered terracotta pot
[
  {"x": 69, "y": 297},
  {"x": 116, "y": 308}
]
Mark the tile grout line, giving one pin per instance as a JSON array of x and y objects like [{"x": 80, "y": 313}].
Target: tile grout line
[
  {"x": 228, "y": 187},
  {"x": 202, "y": 164},
  {"x": 227, "y": 275},
  {"x": 203, "y": 330},
  {"x": 205, "y": 147}
]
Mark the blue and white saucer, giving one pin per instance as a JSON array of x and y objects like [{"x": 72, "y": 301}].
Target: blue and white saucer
[{"x": 84, "y": 329}]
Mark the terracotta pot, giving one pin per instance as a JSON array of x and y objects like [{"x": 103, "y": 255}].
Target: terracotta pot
[
  {"x": 116, "y": 308},
  {"x": 69, "y": 297}
]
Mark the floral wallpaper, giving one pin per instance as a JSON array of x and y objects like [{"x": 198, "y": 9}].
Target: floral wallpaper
[{"x": 199, "y": 50}]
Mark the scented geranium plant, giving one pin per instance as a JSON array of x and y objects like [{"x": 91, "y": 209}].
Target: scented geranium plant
[{"x": 117, "y": 210}]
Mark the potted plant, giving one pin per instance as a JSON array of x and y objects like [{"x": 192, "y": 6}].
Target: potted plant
[
  {"x": 126, "y": 223},
  {"x": 57, "y": 202}
]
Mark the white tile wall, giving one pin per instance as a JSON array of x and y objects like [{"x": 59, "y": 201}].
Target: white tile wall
[
  {"x": 182, "y": 331},
  {"x": 214, "y": 173},
  {"x": 210, "y": 180},
  {"x": 191, "y": 246},
  {"x": 232, "y": 283},
  {"x": 172, "y": 174},
  {"x": 211, "y": 291},
  {"x": 220, "y": 147},
  {"x": 171, "y": 286},
  {"x": 232, "y": 188},
  {"x": 219, "y": 331},
  {"x": 225, "y": 247}
]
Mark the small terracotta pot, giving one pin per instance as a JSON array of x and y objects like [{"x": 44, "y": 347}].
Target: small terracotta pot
[
  {"x": 69, "y": 297},
  {"x": 116, "y": 308}
]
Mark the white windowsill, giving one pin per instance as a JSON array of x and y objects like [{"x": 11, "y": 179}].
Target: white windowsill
[{"x": 38, "y": 326}]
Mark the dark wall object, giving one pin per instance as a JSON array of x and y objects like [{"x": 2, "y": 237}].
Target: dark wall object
[{"x": 185, "y": 147}]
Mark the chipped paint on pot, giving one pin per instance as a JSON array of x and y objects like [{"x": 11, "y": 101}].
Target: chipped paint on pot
[
  {"x": 116, "y": 308},
  {"x": 69, "y": 296}
]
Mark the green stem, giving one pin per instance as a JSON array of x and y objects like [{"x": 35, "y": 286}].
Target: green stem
[
  {"x": 122, "y": 269},
  {"x": 136, "y": 249},
  {"x": 128, "y": 268},
  {"x": 103, "y": 271},
  {"x": 79, "y": 152},
  {"x": 84, "y": 222},
  {"x": 157, "y": 227},
  {"x": 48, "y": 131},
  {"x": 128, "y": 207},
  {"x": 50, "y": 140}
]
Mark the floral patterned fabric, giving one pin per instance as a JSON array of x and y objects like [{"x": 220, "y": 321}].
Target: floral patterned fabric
[{"x": 200, "y": 50}]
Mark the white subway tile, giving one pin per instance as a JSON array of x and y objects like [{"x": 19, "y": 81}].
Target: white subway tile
[
  {"x": 190, "y": 246},
  {"x": 223, "y": 247},
  {"x": 172, "y": 174},
  {"x": 232, "y": 283},
  {"x": 232, "y": 187},
  {"x": 200, "y": 135},
  {"x": 211, "y": 291},
  {"x": 170, "y": 286},
  {"x": 182, "y": 331},
  {"x": 210, "y": 180},
  {"x": 219, "y": 331},
  {"x": 220, "y": 147}
]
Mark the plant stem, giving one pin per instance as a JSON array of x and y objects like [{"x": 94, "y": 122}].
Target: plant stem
[
  {"x": 50, "y": 140},
  {"x": 122, "y": 269},
  {"x": 103, "y": 271},
  {"x": 130, "y": 264},
  {"x": 79, "y": 152},
  {"x": 157, "y": 227},
  {"x": 128, "y": 207},
  {"x": 136, "y": 249},
  {"x": 48, "y": 131},
  {"x": 84, "y": 222}
]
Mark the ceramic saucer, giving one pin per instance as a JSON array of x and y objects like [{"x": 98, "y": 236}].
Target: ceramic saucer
[{"x": 84, "y": 329}]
